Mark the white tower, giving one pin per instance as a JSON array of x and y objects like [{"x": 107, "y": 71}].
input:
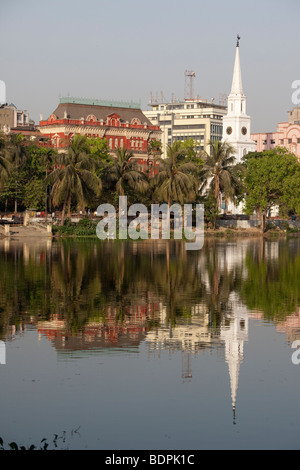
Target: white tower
[{"x": 236, "y": 124}]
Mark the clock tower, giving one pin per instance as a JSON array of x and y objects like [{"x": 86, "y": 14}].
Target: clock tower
[{"x": 236, "y": 124}]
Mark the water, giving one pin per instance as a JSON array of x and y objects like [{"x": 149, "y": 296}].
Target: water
[{"x": 143, "y": 345}]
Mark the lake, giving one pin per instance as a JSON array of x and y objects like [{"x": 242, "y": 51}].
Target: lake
[{"x": 144, "y": 345}]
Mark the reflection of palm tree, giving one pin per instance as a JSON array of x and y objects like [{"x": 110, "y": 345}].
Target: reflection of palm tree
[{"x": 220, "y": 283}]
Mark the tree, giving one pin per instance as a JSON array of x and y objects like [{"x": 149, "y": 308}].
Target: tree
[
  {"x": 176, "y": 179},
  {"x": 123, "y": 173},
  {"x": 154, "y": 151},
  {"x": 4, "y": 163},
  {"x": 17, "y": 156},
  {"x": 272, "y": 179},
  {"x": 41, "y": 164},
  {"x": 74, "y": 180},
  {"x": 220, "y": 173}
]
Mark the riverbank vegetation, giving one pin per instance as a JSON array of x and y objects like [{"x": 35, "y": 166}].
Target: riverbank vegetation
[{"x": 86, "y": 175}]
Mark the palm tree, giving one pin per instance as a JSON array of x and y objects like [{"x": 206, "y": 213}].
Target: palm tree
[
  {"x": 47, "y": 159},
  {"x": 17, "y": 157},
  {"x": 5, "y": 165},
  {"x": 123, "y": 172},
  {"x": 220, "y": 174},
  {"x": 176, "y": 179},
  {"x": 74, "y": 179}
]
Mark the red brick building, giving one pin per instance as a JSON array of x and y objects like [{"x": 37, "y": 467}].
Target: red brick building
[{"x": 122, "y": 124}]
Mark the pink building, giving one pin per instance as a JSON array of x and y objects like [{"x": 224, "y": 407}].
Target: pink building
[{"x": 287, "y": 135}]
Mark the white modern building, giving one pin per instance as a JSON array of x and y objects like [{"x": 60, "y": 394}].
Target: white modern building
[{"x": 196, "y": 119}]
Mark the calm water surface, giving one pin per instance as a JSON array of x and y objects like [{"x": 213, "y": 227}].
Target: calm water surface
[{"x": 143, "y": 345}]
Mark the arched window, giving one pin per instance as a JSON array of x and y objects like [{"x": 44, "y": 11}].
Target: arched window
[
  {"x": 136, "y": 121},
  {"x": 91, "y": 118}
]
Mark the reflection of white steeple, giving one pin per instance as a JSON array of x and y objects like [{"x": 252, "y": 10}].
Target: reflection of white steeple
[{"x": 234, "y": 335}]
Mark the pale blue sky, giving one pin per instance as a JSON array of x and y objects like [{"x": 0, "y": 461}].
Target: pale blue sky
[{"x": 124, "y": 49}]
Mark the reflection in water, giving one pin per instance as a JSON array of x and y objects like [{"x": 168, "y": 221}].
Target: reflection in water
[{"x": 91, "y": 296}]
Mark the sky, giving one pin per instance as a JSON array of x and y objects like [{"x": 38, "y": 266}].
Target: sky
[{"x": 123, "y": 50}]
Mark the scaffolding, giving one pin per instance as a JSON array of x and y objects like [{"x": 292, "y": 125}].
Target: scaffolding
[{"x": 189, "y": 84}]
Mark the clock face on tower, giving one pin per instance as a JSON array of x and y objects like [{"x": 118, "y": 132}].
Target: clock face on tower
[
  {"x": 244, "y": 130},
  {"x": 229, "y": 130}
]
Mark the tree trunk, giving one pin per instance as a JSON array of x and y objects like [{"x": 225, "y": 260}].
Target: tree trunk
[
  {"x": 69, "y": 207},
  {"x": 46, "y": 200},
  {"x": 262, "y": 217},
  {"x": 63, "y": 214},
  {"x": 217, "y": 192}
]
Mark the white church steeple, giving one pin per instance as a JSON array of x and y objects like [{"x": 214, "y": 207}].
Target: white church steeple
[
  {"x": 237, "y": 85},
  {"x": 236, "y": 124}
]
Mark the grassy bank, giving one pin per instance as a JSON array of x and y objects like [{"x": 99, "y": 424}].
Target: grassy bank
[{"x": 87, "y": 228}]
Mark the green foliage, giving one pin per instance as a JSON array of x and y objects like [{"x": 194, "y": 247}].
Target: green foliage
[
  {"x": 220, "y": 174},
  {"x": 74, "y": 180},
  {"x": 211, "y": 210},
  {"x": 123, "y": 174},
  {"x": 176, "y": 181},
  {"x": 34, "y": 194},
  {"x": 85, "y": 227},
  {"x": 272, "y": 178},
  {"x": 272, "y": 286}
]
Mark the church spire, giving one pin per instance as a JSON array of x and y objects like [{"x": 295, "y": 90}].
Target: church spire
[{"x": 237, "y": 86}]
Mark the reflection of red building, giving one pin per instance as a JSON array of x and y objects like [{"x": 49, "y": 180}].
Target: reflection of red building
[
  {"x": 112, "y": 331},
  {"x": 123, "y": 125}
]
